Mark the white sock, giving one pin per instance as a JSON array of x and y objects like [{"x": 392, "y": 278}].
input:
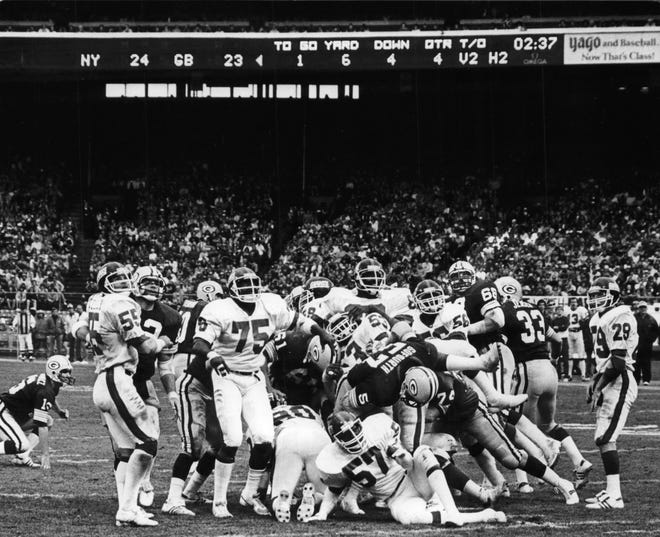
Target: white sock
[
  {"x": 252, "y": 482},
  {"x": 438, "y": 483},
  {"x": 221, "y": 481},
  {"x": 194, "y": 484},
  {"x": 176, "y": 488},
  {"x": 521, "y": 476},
  {"x": 120, "y": 477},
  {"x": 582, "y": 365},
  {"x": 613, "y": 486},
  {"x": 572, "y": 450},
  {"x": 136, "y": 470},
  {"x": 146, "y": 482}
]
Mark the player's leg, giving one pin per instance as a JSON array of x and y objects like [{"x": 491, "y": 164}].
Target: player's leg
[
  {"x": 13, "y": 439},
  {"x": 520, "y": 385},
  {"x": 316, "y": 439},
  {"x": 206, "y": 462},
  {"x": 611, "y": 417},
  {"x": 258, "y": 417},
  {"x": 228, "y": 403},
  {"x": 289, "y": 465},
  {"x": 411, "y": 421},
  {"x": 146, "y": 494}
]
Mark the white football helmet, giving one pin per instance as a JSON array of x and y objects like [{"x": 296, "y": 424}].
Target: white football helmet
[
  {"x": 341, "y": 327},
  {"x": 453, "y": 319},
  {"x": 345, "y": 428},
  {"x": 209, "y": 291},
  {"x": 59, "y": 369},
  {"x": 148, "y": 283},
  {"x": 509, "y": 288},
  {"x": 462, "y": 276},
  {"x": 293, "y": 298},
  {"x": 244, "y": 285},
  {"x": 429, "y": 297}
]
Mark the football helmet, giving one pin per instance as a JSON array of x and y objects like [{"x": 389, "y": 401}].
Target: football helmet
[
  {"x": 509, "y": 288},
  {"x": 420, "y": 385},
  {"x": 318, "y": 353},
  {"x": 603, "y": 293},
  {"x": 462, "y": 276},
  {"x": 341, "y": 327},
  {"x": 148, "y": 283},
  {"x": 293, "y": 298},
  {"x": 318, "y": 286},
  {"x": 306, "y": 296},
  {"x": 452, "y": 319},
  {"x": 244, "y": 285},
  {"x": 345, "y": 428},
  {"x": 429, "y": 297},
  {"x": 58, "y": 368},
  {"x": 369, "y": 276},
  {"x": 209, "y": 290},
  {"x": 114, "y": 277}
]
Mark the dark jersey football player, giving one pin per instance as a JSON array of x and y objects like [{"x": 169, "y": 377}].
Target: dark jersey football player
[
  {"x": 24, "y": 409},
  {"x": 464, "y": 413}
]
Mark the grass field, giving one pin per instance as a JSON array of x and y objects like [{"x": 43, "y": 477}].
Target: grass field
[{"x": 77, "y": 497}]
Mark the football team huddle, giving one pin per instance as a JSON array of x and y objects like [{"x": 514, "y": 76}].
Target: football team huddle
[{"x": 366, "y": 391}]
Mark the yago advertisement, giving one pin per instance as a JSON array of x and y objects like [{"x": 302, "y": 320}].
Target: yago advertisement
[{"x": 611, "y": 47}]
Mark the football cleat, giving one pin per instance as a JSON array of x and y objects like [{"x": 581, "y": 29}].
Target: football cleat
[
  {"x": 220, "y": 510},
  {"x": 503, "y": 490},
  {"x": 489, "y": 495},
  {"x": 307, "y": 504},
  {"x": 176, "y": 509},
  {"x": 255, "y": 502},
  {"x": 567, "y": 490},
  {"x": 581, "y": 474},
  {"x": 282, "y": 507},
  {"x": 133, "y": 518},
  {"x": 603, "y": 500},
  {"x": 146, "y": 497},
  {"x": 145, "y": 513},
  {"x": 525, "y": 488},
  {"x": 25, "y": 460}
]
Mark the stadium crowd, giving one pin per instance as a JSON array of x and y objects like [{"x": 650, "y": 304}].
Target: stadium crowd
[{"x": 36, "y": 243}]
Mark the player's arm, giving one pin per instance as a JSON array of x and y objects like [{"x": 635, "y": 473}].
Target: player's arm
[
  {"x": 439, "y": 361},
  {"x": 43, "y": 422},
  {"x": 493, "y": 321},
  {"x": 61, "y": 412},
  {"x": 551, "y": 335},
  {"x": 147, "y": 344}
]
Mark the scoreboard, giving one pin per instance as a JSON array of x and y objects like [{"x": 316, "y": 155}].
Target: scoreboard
[{"x": 77, "y": 53}]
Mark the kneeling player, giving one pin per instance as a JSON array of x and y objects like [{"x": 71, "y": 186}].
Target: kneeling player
[
  {"x": 299, "y": 438},
  {"x": 369, "y": 454},
  {"x": 24, "y": 408}
]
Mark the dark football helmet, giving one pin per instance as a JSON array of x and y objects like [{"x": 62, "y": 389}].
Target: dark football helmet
[
  {"x": 346, "y": 430},
  {"x": 318, "y": 286},
  {"x": 603, "y": 293},
  {"x": 148, "y": 283},
  {"x": 421, "y": 385},
  {"x": 114, "y": 277},
  {"x": 429, "y": 297},
  {"x": 369, "y": 276},
  {"x": 244, "y": 285}
]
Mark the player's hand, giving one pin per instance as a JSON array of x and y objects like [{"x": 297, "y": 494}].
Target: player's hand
[
  {"x": 45, "y": 462},
  {"x": 173, "y": 398},
  {"x": 326, "y": 338},
  {"x": 63, "y": 413},
  {"x": 490, "y": 359},
  {"x": 217, "y": 363},
  {"x": 596, "y": 399},
  {"x": 166, "y": 340},
  {"x": 276, "y": 397},
  {"x": 356, "y": 311},
  {"x": 351, "y": 507},
  {"x": 333, "y": 372}
]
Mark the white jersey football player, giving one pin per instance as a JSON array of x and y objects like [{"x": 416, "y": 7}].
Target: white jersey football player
[
  {"x": 370, "y": 292},
  {"x": 576, "y": 351},
  {"x": 299, "y": 438},
  {"x": 111, "y": 324},
  {"x": 368, "y": 453},
  {"x": 613, "y": 389},
  {"x": 231, "y": 333},
  {"x": 429, "y": 299}
]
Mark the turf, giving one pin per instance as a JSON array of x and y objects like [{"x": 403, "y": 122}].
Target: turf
[{"x": 77, "y": 497}]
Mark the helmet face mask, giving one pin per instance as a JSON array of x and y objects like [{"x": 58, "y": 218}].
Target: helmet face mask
[
  {"x": 369, "y": 276},
  {"x": 293, "y": 298},
  {"x": 244, "y": 285},
  {"x": 148, "y": 283},
  {"x": 604, "y": 293},
  {"x": 461, "y": 276},
  {"x": 114, "y": 278},
  {"x": 305, "y": 298},
  {"x": 347, "y": 432},
  {"x": 59, "y": 369},
  {"x": 429, "y": 297},
  {"x": 341, "y": 327}
]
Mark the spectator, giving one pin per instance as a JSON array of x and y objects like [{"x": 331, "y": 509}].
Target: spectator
[
  {"x": 648, "y": 331},
  {"x": 72, "y": 344},
  {"x": 54, "y": 333}
]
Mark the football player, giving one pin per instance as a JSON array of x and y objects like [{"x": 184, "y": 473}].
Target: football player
[
  {"x": 156, "y": 318},
  {"x": 24, "y": 408},
  {"x": 527, "y": 336},
  {"x": 480, "y": 301},
  {"x": 318, "y": 286},
  {"x": 293, "y": 298},
  {"x": 196, "y": 419},
  {"x": 429, "y": 299},
  {"x": 463, "y": 412},
  {"x": 368, "y": 453},
  {"x": 231, "y": 334},
  {"x": 613, "y": 389},
  {"x": 576, "y": 350},
  {"x": 299, "y": 438},
  {"x": 111, "y": 324}
]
